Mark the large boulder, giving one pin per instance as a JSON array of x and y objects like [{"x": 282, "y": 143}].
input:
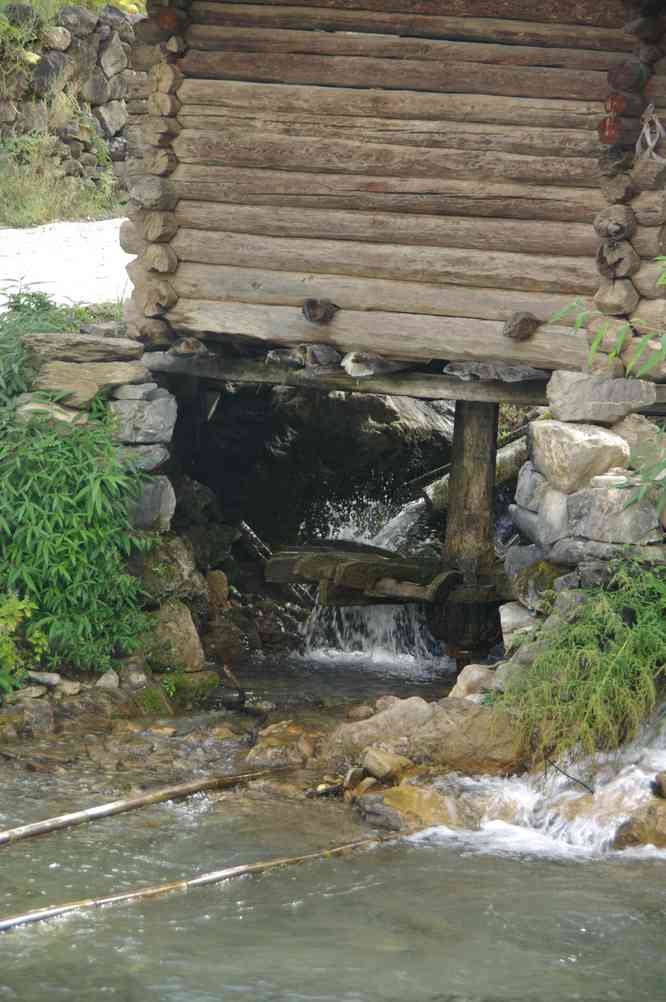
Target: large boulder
[
  {"x": 646, "y": 827},
  {"x": 646, "y": 441},
  {"x": 411, "y": 805},
  {"x": 602, "y": 514},
  {"x": 143, "y": 422},
  {"x": 154, "y": 508},
  {"x": 169, "y": 571},
  {"x": 576, "y": 396},
  {"x": 173, "y": 642},
  {"x": 568, "y": 456}
]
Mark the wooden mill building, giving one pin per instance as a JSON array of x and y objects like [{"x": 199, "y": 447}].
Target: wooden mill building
[{"x": 430, "y": 167}]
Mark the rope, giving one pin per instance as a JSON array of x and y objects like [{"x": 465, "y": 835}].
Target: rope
[{"x": 652, "y": 134}]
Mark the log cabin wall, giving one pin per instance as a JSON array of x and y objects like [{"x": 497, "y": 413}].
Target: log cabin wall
[{"x": 429, "y": 172}]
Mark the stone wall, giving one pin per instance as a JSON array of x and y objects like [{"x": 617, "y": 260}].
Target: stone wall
[{"x": 74, "y": 83}]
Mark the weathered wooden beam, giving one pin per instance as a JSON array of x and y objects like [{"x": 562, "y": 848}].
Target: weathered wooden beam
[
  {"x": 217, "y": 371},
  {"x": 493, "y": 28},
  {"x": 520, "y": 236},
  {"x": 430, "y": 195},
  {"x": 250, "y": 39},
  {"x": 242, "y": 149},
  {"x": 248, "y": 97},
  {"x": 432, "y": 265}
]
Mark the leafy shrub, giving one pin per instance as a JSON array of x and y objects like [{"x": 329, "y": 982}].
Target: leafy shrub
[
  {"x": 17, "y": 643},
  {"x": 597, "y": 679},
  {"x": 64, "y": 524}
]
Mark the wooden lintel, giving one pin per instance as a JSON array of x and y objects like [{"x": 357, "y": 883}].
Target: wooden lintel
[{"x": 215, "y": 370}]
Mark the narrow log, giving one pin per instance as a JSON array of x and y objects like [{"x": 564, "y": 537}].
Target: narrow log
[
  {"x": 205, "y": 879},
  {"x": 215, "y": 371},
  {"x": 285, "y": 288},
  {"x": 492, "y": 269},
  {"x": 532, "y": 141},
  {"x": 238, "y": 148},
  {"x": 646, "y": 280},
  {"x": 431, "y": 195},
  {"x": 398, "y": 74},
  {"x": 244, "y": 39},
  {"x": 176, "y": 792},
  {"x": 521, "y": 236},
  {"x": 245, "y": 97},
  {"x": 502, "y": 30},
  {"x": 397, "y": 336}
]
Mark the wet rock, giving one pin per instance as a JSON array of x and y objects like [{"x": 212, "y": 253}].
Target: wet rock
[
  {"x": 375, "y": 812},
  {"x": 169, "y": 571},
  {"x": 384, "y": 764},
  {"x": 232, "y": 634},
  {"x": 109, "y": 680},
  {"x": 281, "y": 744},
  {"x": 173, "y": 643},
  {"x": 155, "y": 506},
  {"x": 360, "y": 712},
  {"x": 646, "y": 827},
  {"x": 660, "y": 785},
  {"x": 473, "y": 681},
  {"x": 422, "y": 806},
  {"x": 530, "y": 488},
  {"x": 353, "y": 777},
  {"x": 602, "y": 514},
  {"x": 143, "y": 422},
  {"x": 570, "y": 455},
  {"x": 218, "y": 591},
  {"x": 576, "y": 396},
  {"x": 391, "y": 726}
]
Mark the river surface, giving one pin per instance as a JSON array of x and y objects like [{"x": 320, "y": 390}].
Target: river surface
[{"x": 520, "y": 911}]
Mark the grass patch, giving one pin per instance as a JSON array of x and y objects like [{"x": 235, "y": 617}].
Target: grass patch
[{"x": 598, "y": 678}]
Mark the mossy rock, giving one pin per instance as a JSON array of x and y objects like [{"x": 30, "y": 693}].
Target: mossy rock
[
  {"x": 531, "y": 584},
  {"x": 190, "y": 689},
  {"x": 151, "y": 701}
]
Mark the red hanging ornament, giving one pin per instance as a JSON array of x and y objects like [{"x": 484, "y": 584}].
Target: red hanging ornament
[
  {"x": 615, "y": 104},
  {"x": 609, "y": 131}
]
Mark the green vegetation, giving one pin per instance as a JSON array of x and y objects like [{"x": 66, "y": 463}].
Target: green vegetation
[
  {"x": 64, "y": 525},
  {"x": 19, "y": 642},
  {"x": 597, "y": 679}
]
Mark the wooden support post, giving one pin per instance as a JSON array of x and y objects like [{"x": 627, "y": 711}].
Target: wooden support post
[{"x": 470, "y": 629}]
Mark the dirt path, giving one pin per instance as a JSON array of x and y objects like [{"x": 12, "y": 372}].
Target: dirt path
[{"x": 74, "y": 262}]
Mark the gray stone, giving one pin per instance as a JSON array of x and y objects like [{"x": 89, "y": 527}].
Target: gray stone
[
  {"x": 530, "y": 488},
  {"x": 47, "y": 678},
  {"x": 112, "y": 117},
  {"x": 133, "y": 674},
  {"x": 82, "y": 53},
  {"x": 8, "y": 112},
  {"x": 567, "y": 581},
  {"x": 29, "y": 406},
  {"x": 144, "y": 422},
  {"x": 118, "y": 21},
  {"x": 109, "y": 680},
  {"x": 105, "y": 329},
  {"x": 56, "y": 37},
  {"x": 69, "y": 688},
  {"x": 30, "y": 692},
  {"x": 515, "y": 619},
  {"x": 117, "y": 87},
  {"x": 155, "y": 506},
  {"x": 384, "y": 764},
  {"x": 573, "y": 551},
  {"x": 75, "y": 347},
  {"x": 646, "y": 441},
  {"x": 518, "y": 558},
  {"x": 548, "y": 524},
  {"x": 594, "y": 574},
  {"x": 602, "y": 514},
  {"x": 81, "y": 383},
  {"x": 173, "y": 642},
  {"x": 143, "y": 457},
  {"x": 50, "y": 73},
  {"x": 616, "y": 479},
  {"x": 135, "y": 392},
  {"x": 79, "y": 21},
  {"x": 95, "y": 89},
  {"x": 473, "y": 681},
  {"x": 113, "y": 59},
  {"x": 576, "y": 396},
  {"x": 568, "y": 456}
]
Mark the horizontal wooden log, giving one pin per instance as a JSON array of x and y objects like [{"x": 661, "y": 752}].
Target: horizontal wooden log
[
  {"x": 216, "y": 371},
  {"x": 394, "y": 74},
  {"x": 404, "y": 335},
  {"x": 401, "y": 132},
  {"x": 244, "y": 97},
  {"x": 284, "y": 288},
  {"x": 240, "y": 39},
  {"x": 521, "y": 236},
  {"x": 497, "y": 25},
  {"x": 432, "y": 195},
  {"x": 242, "y": 149},
  {"x": 490, "y": 269}
]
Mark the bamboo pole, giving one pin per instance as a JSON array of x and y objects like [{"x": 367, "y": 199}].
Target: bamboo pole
[
  {"x": 215, "y": 877},
  {"x": 107, "y": 810}
]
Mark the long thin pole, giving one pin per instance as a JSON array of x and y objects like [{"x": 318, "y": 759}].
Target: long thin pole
[
  {"x": 131, "y": 804},
  {"x": 215, "y": 877}
]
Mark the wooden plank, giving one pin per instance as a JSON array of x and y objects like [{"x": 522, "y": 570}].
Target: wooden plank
[
  {"x": 217, "y": 371},
  {"x": 241, "y": 39},
  {"x": 403, "y": 335},
  {"x": 521, "y": 236},
  {"x": 432, "y": 195},
  {"x": 245, "y": 97},
  {"x": 398, "y": 74},
  {"x": 242, "y": 149},
  {"x": 406, "y": 132},
  {"x": 285, "y": 288},
  {"x": 330, "y": 16},
  {"x": 492, "y": 269}
]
